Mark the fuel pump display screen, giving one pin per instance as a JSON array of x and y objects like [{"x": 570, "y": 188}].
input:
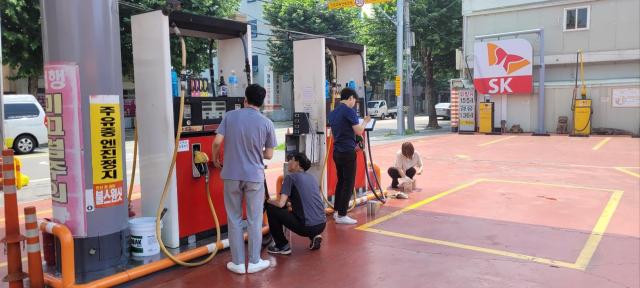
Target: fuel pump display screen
[
  {"x": 187, "y": 111},
  {"x": 212, "y": 110},
  {"x": 201, "y": 115}
]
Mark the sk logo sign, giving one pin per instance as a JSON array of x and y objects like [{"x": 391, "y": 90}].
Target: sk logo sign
[
  {"x": 511, "y": 63},
  {"x": 503, "y": 67}
]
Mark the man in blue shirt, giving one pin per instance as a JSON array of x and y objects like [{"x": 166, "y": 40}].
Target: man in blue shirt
[
  {"x": 345, "y": 125},
  {"x": 248, "y": 138},
  {"x": 307, "y": 218}
]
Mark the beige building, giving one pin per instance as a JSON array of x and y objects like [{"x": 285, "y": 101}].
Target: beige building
[
  {"x": 19, "y": 86},
  {"x": 608, "y": 31}
]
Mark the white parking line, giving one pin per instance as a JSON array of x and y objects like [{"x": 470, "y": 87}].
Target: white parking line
[{"x": 39, "y": 180}]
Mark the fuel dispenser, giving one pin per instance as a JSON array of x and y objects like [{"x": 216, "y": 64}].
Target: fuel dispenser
[
  {"x": 581, "y": 107},
  {"x": 187, "y": 218},
  {"x": 486, "y": 117},
  {"x": 315, "y": 96}
]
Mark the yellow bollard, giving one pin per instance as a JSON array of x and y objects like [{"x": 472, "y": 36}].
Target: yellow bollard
[{"x": 21, "y": 179}]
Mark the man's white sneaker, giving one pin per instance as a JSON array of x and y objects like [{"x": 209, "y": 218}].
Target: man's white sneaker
[
  {"x": 257, "y": 267},
  {"x": 237, "y": 268},
  {"x": 345, "y": 220}
]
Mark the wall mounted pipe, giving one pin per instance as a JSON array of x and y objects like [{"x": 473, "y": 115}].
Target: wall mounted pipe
[{"x": 68, "y": 269}]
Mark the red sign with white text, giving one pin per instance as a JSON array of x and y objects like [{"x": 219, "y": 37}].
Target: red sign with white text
[{"x": 503, "y": 67}]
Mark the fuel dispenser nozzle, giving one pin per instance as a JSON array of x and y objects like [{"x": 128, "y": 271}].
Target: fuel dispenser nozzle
[{"x": 200, "y": 160}]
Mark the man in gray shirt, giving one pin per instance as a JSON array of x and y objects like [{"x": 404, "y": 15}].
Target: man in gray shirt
[
  {"x": 248, "y": 138},
  {"x": 307, "y": 217}
]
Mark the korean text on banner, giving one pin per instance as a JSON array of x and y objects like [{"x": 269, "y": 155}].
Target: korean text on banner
[
  {"x": 467, "y": 110},
  {"x": 66, "y": 150},
  {"x": 398, "y": 85},
  {"x": 337, "y": 4},
  {"x": 106, "y": 141},
  {"x": 503, "y": 67}
]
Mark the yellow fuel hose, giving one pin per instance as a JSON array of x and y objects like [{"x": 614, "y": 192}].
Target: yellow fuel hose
[
  {"x": 135, "y": 160},
  {"x": 170, "y": 174},
  {"x": 584, "y": 86},
  {"x": 583, "y": 92}
]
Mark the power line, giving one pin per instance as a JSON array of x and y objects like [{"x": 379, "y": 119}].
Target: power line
[{"x": 134, "y": 6}]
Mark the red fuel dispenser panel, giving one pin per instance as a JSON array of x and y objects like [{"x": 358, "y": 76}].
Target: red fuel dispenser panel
[
  {"x": 332, "y": 177},
  {"x": 194, "y": 215}
]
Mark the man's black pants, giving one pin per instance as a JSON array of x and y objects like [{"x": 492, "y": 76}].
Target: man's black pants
[
  {"x": 346, "y": 168},
  {"x": 395, "y": 174},
  {"x": 279, "y": 217}
]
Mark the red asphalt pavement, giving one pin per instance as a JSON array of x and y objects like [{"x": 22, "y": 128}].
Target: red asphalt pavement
[{"x": 491, "y": 211}]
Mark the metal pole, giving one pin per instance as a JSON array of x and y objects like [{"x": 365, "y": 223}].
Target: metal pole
[
  {"x": 411, "y": 113},
  {"x": 1, "y": 96},
  {"x": 541, "y": 129},
  {"x": 82, "y": 37},
  {"x": 399, "y": 59}
]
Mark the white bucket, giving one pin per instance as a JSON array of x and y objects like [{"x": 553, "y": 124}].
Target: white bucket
[{"x": 143, "y": 236}]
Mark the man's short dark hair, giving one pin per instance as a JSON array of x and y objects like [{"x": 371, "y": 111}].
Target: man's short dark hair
[
  {"x": 347, "y": 93},
  {"x": 302, "y": 159},
  {"x": 255, "y": 95}
]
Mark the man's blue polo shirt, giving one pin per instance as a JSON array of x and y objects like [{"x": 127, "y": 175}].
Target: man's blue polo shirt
[{"x": 341, "y": 120}]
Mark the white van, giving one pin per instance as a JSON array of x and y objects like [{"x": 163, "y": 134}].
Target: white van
[{"x": 24, "y": 123}]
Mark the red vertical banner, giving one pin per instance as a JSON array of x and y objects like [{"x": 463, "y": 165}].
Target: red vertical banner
[
  {"x": 454, "y": 108},
  {"x": 66, "y": 150}
]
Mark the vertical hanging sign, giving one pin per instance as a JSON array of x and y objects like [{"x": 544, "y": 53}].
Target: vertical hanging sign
[
  {"x": 467, "y": 110},
  {"x": 66, "y": 151},
  {"x": 106, "y": 139},
  {"x": 268, "y": 86}
]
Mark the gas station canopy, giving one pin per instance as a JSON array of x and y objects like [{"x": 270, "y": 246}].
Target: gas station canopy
[{"x": 207, "y": 27}]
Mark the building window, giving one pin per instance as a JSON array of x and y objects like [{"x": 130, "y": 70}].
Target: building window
[
  {"x": 254, "y": 28},
  {"x": 254, "y": 62},
  {"x": 576, "y": 18}
]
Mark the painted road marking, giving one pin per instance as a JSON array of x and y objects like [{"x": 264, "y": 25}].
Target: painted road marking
[
  {"x": 581, "y": 263},
  {"x": 624, "y": 170},
  {"x": 601, "y": 143},
  {"x": 496, "y": 141},
  {"x": 549, "y": 185},
  {"x": 417, "y": 205},
  {"x": 598, "y": 231},
  {"x": 463, "y": 156},
  {"x": 475, "y": 248},
  {"x": 33, "y": 156}
]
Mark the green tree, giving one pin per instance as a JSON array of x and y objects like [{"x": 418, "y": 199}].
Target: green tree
[
  {"x": 438, "y": 29},
  {"x": 308, "y": 16},
  {"x": 198, "y": 49},
  {"x": 378, "y": 33},
  {"x": 22, "y": 40}
]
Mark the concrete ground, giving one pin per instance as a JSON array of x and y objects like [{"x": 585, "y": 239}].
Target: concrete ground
[
  {"x": 36, "y": 165},
  {"x": 490, "y": 211}
]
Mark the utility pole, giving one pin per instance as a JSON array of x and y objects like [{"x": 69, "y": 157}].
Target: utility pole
[
  {"x": 83, "y": 71},
  {"x": 399, "y": 60},
  {"x": 411, "y": 126},
  {"x": 1, "y": 98}
]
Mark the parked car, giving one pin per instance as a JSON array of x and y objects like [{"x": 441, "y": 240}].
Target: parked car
[
  {"x": 24, "y": 123},
  {"x": 379, "y": 109},
  {"x": 444, "y": 110}
]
